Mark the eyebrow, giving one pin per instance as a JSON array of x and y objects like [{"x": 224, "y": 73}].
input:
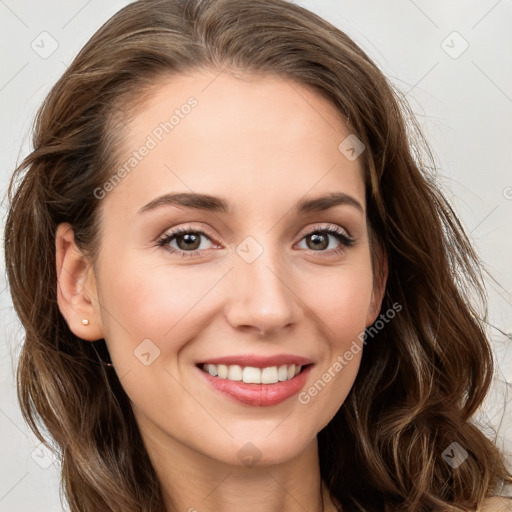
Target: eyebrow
[{"x": 210, "y": 203}]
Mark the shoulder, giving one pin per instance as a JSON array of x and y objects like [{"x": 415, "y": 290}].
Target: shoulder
[{"x": 497, "y": 505}]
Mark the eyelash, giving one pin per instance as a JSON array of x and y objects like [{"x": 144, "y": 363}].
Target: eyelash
[{"x": 345, "y": 239}]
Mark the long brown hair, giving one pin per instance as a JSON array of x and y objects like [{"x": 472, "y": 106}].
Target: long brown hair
[{"x": 421, "y": 378}]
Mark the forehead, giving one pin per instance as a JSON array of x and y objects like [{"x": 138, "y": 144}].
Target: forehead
[{"x": 247, "y": 136}]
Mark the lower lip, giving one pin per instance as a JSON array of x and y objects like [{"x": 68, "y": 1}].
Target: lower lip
[{"x": 259, "y": 395}]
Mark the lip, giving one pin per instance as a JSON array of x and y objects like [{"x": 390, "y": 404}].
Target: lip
[
  {"x": 258, "y": 395},
  {"x": 259, "y": 361}
]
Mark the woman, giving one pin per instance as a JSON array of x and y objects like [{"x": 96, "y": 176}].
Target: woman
[{"x": 315, "y": 347}]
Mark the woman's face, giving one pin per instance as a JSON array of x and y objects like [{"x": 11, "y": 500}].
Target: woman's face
[{"x": 252, "y": 256}]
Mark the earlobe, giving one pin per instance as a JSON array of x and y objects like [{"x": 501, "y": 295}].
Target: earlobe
[{"x": 76, "y": 287}]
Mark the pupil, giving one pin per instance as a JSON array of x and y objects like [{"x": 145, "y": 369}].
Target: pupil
[
  {"x": 319, "y": 241},
  {"x": 190, "y": 239}
]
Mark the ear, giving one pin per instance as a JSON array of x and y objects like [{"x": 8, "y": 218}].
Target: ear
[
  {"x": 380, "y": 272},
  {"x": 76, "y": 287}
]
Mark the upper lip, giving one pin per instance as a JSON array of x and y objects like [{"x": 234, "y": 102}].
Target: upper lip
[{"x": 259, "y": 361}]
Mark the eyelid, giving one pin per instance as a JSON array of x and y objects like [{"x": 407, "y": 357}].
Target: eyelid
[
  {"x": 186, "y": 228},
  {"x": 173, "y": 233},
  {"x": 325, "y": 227}
]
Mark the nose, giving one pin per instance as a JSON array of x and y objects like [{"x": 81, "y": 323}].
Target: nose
[{"x": 261, "y": 293}]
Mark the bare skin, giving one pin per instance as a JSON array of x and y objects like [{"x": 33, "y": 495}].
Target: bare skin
[{"x": 263, "y": 144}]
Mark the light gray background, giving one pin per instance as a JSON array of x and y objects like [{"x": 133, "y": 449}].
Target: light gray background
[{"x": 463, "y": 100}]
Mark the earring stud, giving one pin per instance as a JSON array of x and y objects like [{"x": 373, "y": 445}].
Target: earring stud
[{"x": 85, "y": 321}]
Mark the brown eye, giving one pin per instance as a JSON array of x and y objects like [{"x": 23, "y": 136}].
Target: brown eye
[
  {"x": 184, "y": 242},
  {"x": 319, "y": 239},
  {"x": 188, "y": 241}
]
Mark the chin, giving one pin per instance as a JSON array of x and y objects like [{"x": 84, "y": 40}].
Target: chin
[{"x": 262, "y": 449}]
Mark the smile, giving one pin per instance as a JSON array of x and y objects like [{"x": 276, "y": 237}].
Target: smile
[
  {"x": 256, "y": 379},
  {"x": 251, "y": 374}
]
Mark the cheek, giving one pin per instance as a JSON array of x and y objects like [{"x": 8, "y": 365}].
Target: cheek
[
  {"x": 149, "y": 316},
  {"x": 150, "y": 303},
  {"x": 346, "y": 308},
  {"x": 340, "y": 299}
]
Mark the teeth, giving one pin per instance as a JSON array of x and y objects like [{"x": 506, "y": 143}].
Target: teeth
[
  {"x": 269, "y": 375},
  {"x": 235, "y": 372},
  {"x": 252, "y": 375},
  {"x": 211, "y": 369},
  {"x": 222, "y": 371},
  {"x": 282, "y": 372}
]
